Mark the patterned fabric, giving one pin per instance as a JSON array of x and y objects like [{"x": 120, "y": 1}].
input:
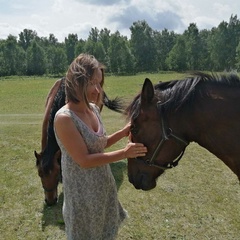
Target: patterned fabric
[{"x": 91, "y": 209}]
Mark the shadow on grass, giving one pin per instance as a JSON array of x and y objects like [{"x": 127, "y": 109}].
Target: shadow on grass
[{"x": 52, "y": 215}]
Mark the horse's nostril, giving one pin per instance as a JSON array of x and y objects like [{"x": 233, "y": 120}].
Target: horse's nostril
[{"x": 142, "y": 177}]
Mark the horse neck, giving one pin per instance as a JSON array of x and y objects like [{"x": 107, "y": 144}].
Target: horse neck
[{"x": 214, "y": 123}]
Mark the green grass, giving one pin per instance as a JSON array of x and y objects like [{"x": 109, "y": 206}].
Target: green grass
[{"x": 199, "y": 199}]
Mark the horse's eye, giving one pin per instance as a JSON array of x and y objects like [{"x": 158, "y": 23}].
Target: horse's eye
[{"x": 133, "y": 129}]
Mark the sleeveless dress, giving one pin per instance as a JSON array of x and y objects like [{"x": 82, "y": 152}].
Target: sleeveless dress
[{"x": 91, "y": 210}]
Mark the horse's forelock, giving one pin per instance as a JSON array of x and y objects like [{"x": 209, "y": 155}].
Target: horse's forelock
[
  {"x": 47, "y": 163},
  {"x": 132, "y": 111}
]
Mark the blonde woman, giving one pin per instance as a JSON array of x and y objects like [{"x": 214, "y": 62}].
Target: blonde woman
[{"x": 91, "y": 209}]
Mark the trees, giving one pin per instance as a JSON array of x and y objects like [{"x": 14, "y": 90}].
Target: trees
[
  {"x": 12, "y": 58},
  {"x": 120, "y": 56},
  {"x": 143, "y": 47},
  {"x": 217, "y": 47},
  {"x": 193, "y": 47},
  {"x": 147, "y": 50},
  {"x": 204, "y": 57},
  {"x": 70, "y": 44},
  {"x": 57, "y": 60},
  {"x": 238, "y": 56},
  {"x": 26, "y": 37},
  {"x": 223, "y": 44},
  {"x": 36, "y": 59},
  {"x": 94, "y": 46},
  {"x": 233, "y": 41},
  {"x": 164, "y": 41},
  {"x": 177, "y": 58}
]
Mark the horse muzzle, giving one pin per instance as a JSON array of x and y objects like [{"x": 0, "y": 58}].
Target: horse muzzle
[
  {"x": 142, "y": 181},
  {"x": 51, "y": 202}
]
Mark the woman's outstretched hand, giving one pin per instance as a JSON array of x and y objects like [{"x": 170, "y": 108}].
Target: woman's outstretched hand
[{"x": 133, "y": 150}]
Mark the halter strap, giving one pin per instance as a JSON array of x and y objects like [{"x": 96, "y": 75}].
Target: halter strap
[{"x": 165, "y": 137}]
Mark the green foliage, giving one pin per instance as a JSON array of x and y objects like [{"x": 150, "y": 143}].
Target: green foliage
[
  {"x": 121, "y": 59},
  {"x": 57, "y": 60},
  {"x": 13, "y": 60},
  {"x": 36, "y": 59},
  {"x": 70, "y": 43},
  {"x": 147, "y": 50},
  {"x": 238, "y": 56},
  {"x": 223, "y": 44},
  {"x": 143, "y": 47},
  {"x": 192, "y": 47},
  {"x": 177, "y": 58},
  {"x": 26, "y": 37},
  {"x": 165, "y": 41},
  {"x": 96, "y": 49}
]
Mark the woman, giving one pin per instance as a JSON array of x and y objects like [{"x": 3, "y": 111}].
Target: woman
[{"x": 91, "y": 209}]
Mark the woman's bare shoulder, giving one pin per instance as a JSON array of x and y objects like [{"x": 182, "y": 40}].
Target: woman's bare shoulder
[{"x": 62, "y": 117}]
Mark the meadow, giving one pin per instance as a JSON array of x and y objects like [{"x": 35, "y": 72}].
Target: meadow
[{"x": 197, "y": 200}]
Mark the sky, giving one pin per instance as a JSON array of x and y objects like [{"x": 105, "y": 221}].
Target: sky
[{"x": 63, "y": 17}]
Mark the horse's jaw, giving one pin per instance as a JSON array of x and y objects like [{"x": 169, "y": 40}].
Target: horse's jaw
[{"x": 142, "y": 181}]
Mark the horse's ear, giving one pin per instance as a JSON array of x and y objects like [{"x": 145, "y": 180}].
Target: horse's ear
[
  {"x": 147, "y": 92},
  {"x": 38, "y": 158},
  {"x": 37, "y": 155}
]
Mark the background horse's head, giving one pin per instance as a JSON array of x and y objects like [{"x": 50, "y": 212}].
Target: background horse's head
[
  {"x": 50, "y": 177},
  {"x": 48, "y": 162},
  {"x": 149, "y": 125}
]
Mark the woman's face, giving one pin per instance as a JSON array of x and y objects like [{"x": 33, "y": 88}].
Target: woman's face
[{"x": 94, "y": 86}]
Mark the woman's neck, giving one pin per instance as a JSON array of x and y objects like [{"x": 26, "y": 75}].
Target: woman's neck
[{"x": 78, "y": 107}]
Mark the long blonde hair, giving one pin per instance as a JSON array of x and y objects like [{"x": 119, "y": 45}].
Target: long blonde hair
[{"x": 79, "y": 73}]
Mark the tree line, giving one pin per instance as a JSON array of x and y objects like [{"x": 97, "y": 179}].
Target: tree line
[{"x": 147, "y": 50}]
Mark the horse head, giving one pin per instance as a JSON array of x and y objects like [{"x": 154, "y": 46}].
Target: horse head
[
  {"x": 149, "y": 125},
  {"x": 49, "y": 177}
]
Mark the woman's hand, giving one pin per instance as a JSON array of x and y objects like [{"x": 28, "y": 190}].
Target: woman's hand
[{"x": 133, "y": 150}]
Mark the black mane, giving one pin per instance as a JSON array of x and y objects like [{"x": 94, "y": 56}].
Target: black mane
[
  {"x": 176, "y": 93},
  {"x": 52, "y": 146},
  {"x": 179, "y": 92}
]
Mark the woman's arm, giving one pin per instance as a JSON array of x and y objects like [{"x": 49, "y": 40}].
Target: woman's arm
[
  {"x": 115, "y": 137},
  {"x": 77, "y": 149}
]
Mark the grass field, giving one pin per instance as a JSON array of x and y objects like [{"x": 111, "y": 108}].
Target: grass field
[{"x": 198, "y": 200}]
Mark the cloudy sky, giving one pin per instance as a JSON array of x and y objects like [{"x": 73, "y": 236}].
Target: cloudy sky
[{"x": 62, "y": 17}]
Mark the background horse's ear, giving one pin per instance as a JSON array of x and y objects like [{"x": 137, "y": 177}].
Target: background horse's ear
[
  {"x": 38, "y": 158},
  {"x": 147, "y": 92}
]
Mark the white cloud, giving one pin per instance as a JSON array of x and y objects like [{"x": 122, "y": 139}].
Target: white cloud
[
  {"x": 222, "y": 9},
  {"x": 62, "y": 17}
]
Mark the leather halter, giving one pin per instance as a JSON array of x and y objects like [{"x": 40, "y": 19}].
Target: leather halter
[{"x": 166, "y": 135}]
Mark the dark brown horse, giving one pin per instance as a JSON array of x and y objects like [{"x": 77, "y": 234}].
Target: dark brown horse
[
  {"x": 166, "y": 117},
  {"x": 48, "y": 161}
]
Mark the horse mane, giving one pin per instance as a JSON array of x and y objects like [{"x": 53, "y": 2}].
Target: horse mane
[
  {"x": 178, "y": 93},
  {"x": 175, "y": 94},
  {"x": 52, "y": 146}
]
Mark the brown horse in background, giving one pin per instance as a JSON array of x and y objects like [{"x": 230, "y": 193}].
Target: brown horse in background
[
  {"x": 48, "y": 161},
  {"x": 166, "y": 117}
]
